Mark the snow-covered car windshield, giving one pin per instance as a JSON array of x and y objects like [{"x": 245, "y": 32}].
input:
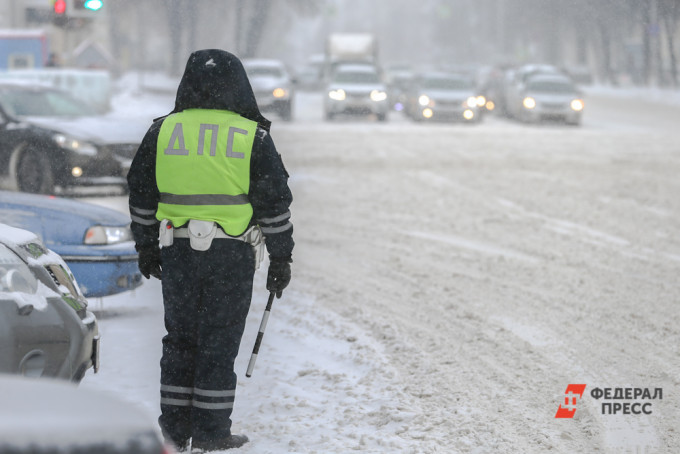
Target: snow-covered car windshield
[
  {"x": 447, "y": 84},
  {"x": 545, "y": 86},
  {"x": 43, "y": 103},
  {"x": 356, "y": 77}
]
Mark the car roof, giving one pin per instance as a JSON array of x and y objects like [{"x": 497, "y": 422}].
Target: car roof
[
  {"x": 550, "y": 78},
  {"x": 39, "y": 413}
]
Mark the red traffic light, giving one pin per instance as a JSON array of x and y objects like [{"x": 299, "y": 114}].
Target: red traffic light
[{"x": 59, "y": 7}]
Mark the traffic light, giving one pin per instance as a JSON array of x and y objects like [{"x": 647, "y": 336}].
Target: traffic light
[
  {"x": 90, "y": 5},
  {"x": 60, "y": 19},
  {"x": 60, "y": 7}
]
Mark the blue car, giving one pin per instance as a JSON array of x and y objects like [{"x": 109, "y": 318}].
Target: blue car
[{"x": 95, "y": 242}]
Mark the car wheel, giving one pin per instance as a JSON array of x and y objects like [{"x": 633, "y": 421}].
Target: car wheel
[
  {"x": 382, "y": 117},
  {"x": 330, "y": 116},
  {"x": 34, "y": 173}
]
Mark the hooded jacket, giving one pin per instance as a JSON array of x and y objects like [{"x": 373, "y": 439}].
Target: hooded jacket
[{"x": 215, "y": 79}]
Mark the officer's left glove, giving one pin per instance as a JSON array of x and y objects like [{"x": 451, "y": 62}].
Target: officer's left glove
[
  {"x": 150, "y": 261},
  {"x": 278, "y": 275}
]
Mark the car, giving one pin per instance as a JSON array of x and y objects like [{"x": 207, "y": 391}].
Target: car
[
  {"x": 516, "y": 83},
  {"x": 41, "y": 416},
  {"x": 46, "y": 329},
  {"x": 444, "y": 96},
  {"x": 95, "y": 241},
  {"x": 51, "y": 142},
  {"x": 550, "y": 96},
  {"x": 356, "y": 89},
  {"x": 273, "y": 86}
]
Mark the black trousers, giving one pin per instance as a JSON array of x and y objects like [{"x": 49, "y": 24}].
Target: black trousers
[{"x": 206, "y": 296}]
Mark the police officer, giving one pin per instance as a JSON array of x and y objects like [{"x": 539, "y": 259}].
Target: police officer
[{"x": 206, "y": 180}]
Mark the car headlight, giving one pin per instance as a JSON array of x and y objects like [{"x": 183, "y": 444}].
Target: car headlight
[
  {"x": 424, "y": 100},
  {"x": 471, "y": 102},
  {"x": 337, "y": 95},
  {"x": 100, "y": 234},
  {"x": 73, "y": 144},
  {"x": 280, "y": 92},
  {"x": 529, "y": 102},
  {"x": 378, "y": 95},
  {"x": 481, "y": 101},
  {"x": 577, "y": 105}
]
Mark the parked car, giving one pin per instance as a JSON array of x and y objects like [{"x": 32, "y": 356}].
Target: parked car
[
  {"x": 95, "y": 241},
  {"x": 443, "y": 96},
  {"x": 45, "y": 327},
  {"x": 42, "y": 416},
  {"x": 356, "y": 89},
  {"x": 51, "y": 142},
  {"x": 551, "y": 96},
  {"x": 273, "y": 86}
]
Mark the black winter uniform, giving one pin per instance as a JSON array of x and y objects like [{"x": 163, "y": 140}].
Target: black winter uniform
[{"x": 207, "y": 294}]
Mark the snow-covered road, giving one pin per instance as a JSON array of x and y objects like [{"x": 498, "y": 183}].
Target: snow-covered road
[{"x": 449, "y": 282}]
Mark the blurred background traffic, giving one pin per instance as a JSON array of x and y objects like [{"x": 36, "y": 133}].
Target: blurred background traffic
[{"x": 431, "y": 60}]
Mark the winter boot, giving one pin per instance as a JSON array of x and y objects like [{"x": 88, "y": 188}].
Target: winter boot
[{"x": 232, "y": 441}]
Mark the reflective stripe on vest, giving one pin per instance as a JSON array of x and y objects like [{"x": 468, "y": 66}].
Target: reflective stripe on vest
[{"x": 203, "y": 168}]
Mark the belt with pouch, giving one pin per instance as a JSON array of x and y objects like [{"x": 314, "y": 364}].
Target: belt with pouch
[{"x": 202, "y": 233}]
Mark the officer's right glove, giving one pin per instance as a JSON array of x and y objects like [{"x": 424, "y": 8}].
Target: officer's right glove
[
  {"x": 150, "y": 261},
  {"x": 278, "y": 275}
]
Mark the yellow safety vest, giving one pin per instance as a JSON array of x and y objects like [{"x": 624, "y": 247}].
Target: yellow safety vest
[{"x": 203, "y": 168}]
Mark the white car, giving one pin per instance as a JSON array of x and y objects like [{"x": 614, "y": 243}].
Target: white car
[
  {"x": 46, "y": 329},
  {"x": 272, "y": 85},
  {"x": 443, "y": 96},
  {"x": 41, "y": 415},
  {"x": 356, "y": 89},
  {"x": 550, "y": 96}
]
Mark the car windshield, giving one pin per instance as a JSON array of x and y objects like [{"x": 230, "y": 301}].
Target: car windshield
[
  {"x": 43, "y": 103},
  {"x": 441, "y": 83},
  {"x": 549, "y": 86},
  {"x": 356, "y": 77},
  {"x": 264, "y": 71},
  {"x": 14, "y": 273}
]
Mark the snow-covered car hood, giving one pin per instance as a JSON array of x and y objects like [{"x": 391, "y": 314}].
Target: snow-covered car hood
[
  {"x": 100, "y": 130},
  {"x": 20, "y": 241}
]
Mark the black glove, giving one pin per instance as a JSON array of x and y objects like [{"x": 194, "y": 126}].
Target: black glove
[
  {"x": 150, "y": 261},
  {"x": 278, "y": 276}
]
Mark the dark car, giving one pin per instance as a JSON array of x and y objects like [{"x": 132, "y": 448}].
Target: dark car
[
  {"x": 45, "y": 327},
  {"x": 51, "y": 141},
  {"x": 42, "y": 416},
  {"x": 95, "y": 241}
]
